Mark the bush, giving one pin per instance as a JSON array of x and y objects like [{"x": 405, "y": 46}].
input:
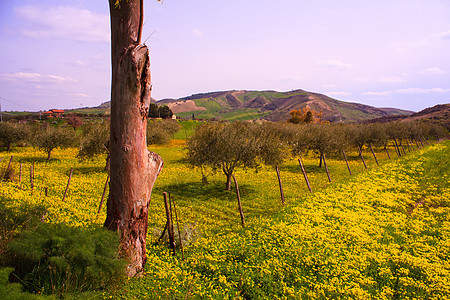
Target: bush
[{"x": 57, "y": 259}]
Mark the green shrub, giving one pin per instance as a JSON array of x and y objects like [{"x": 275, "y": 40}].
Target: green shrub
[{"x": 57, "y": 259}]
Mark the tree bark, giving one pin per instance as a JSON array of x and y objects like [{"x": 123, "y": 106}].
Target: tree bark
[
  {"x": 133, "y": 168},
  {"x": 374, "y": 156}
]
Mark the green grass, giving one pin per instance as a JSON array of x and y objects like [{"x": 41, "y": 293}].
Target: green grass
[{"x": 357, "y": 237}]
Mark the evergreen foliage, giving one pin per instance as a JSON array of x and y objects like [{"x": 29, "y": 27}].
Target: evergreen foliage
[{"x": 58, "y": 259}]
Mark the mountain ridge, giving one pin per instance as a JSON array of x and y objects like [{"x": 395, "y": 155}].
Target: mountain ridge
[{"x": 273, "y": 106}]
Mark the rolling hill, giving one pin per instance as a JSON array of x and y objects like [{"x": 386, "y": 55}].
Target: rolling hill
[{"x": 273, "y": 106}]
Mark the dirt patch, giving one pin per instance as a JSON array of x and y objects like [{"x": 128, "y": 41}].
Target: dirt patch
[{"x": 184, "y": 106}]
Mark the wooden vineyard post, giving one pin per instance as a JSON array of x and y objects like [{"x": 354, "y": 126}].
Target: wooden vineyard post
[
  {"x": 326, "y": 167},
  {"x": 8, "y": 167},
  {"x": 34, "y": 169},
  {"x": 239, "y": 201},
  {"x": 20, "y": 177},
  {"x": 417, "y": 144},
  {"x": 397, "y": 148},
  {"x": 279, "y": 183},
  {"x": 103, "y": 195},
  {"x": 178, "y": 226},
  {"x": 346, "y": 161},
  {"x": 31, "y": 178},
  {"x": 387, "y": 152},
  {"x": 68, "y": 183},
  {"x": 401, "y": 145},
  {"x": 362, "y": 158},
  {"x": 46, "y": 191},
  {"x": 373, "y": 153},
  {"x": 169, "y": 223},
  {"x": 304, "y": 174}
]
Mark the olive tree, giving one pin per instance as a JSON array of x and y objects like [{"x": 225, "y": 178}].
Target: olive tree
[
  {"x": 95, "y": 141},
  {"x": 224, "y": 146},
  {"x": 48, "y": 138},
  {"x": 11, "y": 133}
]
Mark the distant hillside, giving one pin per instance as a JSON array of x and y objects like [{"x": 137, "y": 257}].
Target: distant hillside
[
  {"x": 273, "y": 106},
  {"x": 439, "y": 113},
  {"x": 267, "y": 105}
]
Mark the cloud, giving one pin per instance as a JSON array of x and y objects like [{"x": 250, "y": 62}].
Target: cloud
[
  {"x": 391, "y": 79},
  {"x": 334, "y": 64},
  {"x": 433, "y": 71},
  {"x": 338, "y": 94},
  {"x": 408, "y": 91},
  {"x": 81, "y": 95},
  {"x": 63, "y": 22},
  {"x": 196, "y": 32},
  {"x": 35, "y": 78},
  {"x": 383, "y": 79},
  {"x": 421, "y": 91}
]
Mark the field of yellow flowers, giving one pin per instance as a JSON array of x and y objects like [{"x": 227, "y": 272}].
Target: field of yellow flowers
[{"x": 383, "y": 233}]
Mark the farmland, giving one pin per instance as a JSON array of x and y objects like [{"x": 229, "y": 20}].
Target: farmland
[{"x": 382, "y": 233}]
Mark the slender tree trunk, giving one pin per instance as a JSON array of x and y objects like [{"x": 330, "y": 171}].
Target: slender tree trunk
[
  {"x": 346, "y": 161},
  {"x": 320, "y": 160},
  {"x": 229, "y": 174},
  {"x": 279, "y": 183},
  {"x": 49, "y": 154},
  {"x": 133, "y": 168},
  {"x": 238, "y": 195}
]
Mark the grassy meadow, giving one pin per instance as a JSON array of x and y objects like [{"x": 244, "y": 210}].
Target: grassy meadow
[{"x": 383, "y": 233}]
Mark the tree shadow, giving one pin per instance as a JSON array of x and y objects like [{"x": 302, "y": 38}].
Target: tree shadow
[
  {"x": 296, "y": 169},
  {"x": 204, "y": 192},
  {"x": 37, "y": 160},
  {"x": 89, "y": 170}
]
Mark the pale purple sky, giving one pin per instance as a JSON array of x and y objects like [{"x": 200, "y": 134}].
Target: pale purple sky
[{"x": 385, "y": 53}]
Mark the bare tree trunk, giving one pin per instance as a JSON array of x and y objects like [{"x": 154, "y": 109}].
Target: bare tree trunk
[
  {"x": 133, "y": 168},
  {"x": 279, "y": 183},
  {"x": 49, "y": 154},
  {"x": 229, "y": 175},
  {"x": 239, "y": 201}
]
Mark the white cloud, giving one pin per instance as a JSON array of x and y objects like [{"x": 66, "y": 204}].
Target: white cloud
[
  {"x": 385, "y": 93},
  {"x": 421, "y": 91},
  {"x": 407, "y": 91},
  {"x": 35, "y": 77},
  {"x": 391, "y": 79},
  {"x": 383, "y": 79},
  {"x": 64, "y": 22},
  {"x": 81, "y": 95},
  {"x": 334, "y": 64},
  {"x": 196, "y": 32},
  {"x": 338, "y": 94},
  {"x": 433, "y": 71}
]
